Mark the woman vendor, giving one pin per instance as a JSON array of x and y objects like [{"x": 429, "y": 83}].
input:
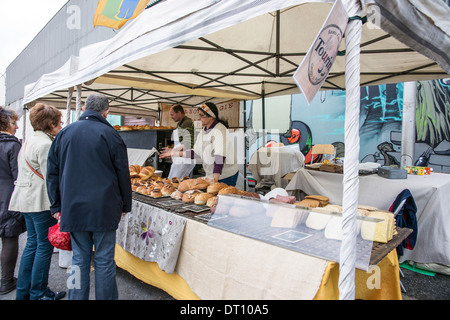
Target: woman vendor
[{"x": 213, "y": 147}]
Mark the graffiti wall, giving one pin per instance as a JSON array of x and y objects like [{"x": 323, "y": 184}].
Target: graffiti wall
[{"x": 291, "y": 120}]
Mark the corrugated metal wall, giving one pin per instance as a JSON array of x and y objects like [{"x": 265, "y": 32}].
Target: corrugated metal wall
[{"x": 69, "y": 30}]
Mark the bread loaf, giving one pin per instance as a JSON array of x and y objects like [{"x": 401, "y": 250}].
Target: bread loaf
[
  {"x": 189, "y": 197},
  {"x": 228, "y": 190},
  {"x": 202, "y": 198},
  {"x": 216, "y": 187},
  {"x": 193, "y": 184},
  {"x": 177, "y": 195}
]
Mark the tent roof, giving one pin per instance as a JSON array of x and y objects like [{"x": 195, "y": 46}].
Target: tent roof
[{"x": 222, "y": 50}]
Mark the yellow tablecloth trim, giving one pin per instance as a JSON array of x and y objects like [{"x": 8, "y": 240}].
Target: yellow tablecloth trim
[
  {"x": 176, "y": 286},
  {"x": 389, "y": 281},
  {"x": 150, "y": 273}
]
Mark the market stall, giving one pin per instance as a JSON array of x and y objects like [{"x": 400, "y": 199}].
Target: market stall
[
  {"x": 231, "y": 265},
  {"x": 249, "y": 50}
]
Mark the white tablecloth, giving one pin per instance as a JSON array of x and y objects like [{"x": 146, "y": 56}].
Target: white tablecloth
[
  {"x": 271, "y": 164},
  {"x": 431, "y": 194}
]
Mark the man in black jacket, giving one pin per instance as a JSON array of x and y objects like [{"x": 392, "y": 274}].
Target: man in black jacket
[{"x": 88, "y": 183}]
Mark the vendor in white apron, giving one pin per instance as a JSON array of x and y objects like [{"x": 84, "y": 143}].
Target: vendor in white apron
[{"x": 183, "y": 139}]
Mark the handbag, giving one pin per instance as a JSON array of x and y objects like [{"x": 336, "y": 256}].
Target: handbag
[{"x": 58, "y": 239}]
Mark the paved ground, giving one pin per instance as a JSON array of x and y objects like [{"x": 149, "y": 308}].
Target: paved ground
[{"x": 418, "y": 286}]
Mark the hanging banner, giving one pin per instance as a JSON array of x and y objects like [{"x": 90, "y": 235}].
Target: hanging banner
[
  {"x": 115, "y": 13},
  {"x": 317, "y": 63}
]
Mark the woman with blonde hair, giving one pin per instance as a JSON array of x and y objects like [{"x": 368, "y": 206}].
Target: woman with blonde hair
[
  {"x": 12, "y": 223},
  {"x": 30, "y": 197}
]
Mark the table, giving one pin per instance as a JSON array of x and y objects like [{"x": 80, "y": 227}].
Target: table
[
  {"x": 430, "y": 193},
  {"x": 217, "y": 264}
]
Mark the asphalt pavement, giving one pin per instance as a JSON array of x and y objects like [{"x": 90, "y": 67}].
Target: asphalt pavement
[{"x": 418, "y": 286}]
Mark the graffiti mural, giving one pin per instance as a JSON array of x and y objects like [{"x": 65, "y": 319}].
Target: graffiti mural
[{"x": 322, "y": 122}]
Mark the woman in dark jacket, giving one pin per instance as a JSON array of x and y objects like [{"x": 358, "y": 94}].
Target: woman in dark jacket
[{"x": 12, "y": 223}]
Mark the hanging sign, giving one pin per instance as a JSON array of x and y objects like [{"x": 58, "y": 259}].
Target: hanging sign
[{"x": 317, "y": 63}]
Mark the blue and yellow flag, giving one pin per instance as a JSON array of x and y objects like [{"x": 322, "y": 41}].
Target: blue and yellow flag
[{"x": 115, "y": 13}]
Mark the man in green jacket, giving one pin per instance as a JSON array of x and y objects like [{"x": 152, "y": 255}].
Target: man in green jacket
[{"x": 183, "y": 138}]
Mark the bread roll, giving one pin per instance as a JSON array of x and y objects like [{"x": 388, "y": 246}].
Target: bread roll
[
  {"x": 202, "y": 198},
  {"x": 147, "y": 191},
  {"x": 216, "y": 187},
  {"x": 140, "y": 189},
  {"x": 158, "y": 184},
  {"x": 167, "y": 190},
  {"x": 193, "y": 184}
]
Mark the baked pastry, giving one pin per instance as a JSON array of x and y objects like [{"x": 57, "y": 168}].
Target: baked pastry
[
  {"x": 146, "y": 172},
  {"x": 177, "y": 195},
  {"x": 134, "y": 170},
  {"x": 166, "y": 180},
  {"x": 156, "y": 193},
  {"x": 189, "y": 197},
  {"x": 202, "y": 198},
  {"x": 216, "y": 187},
  {"x": 140, "y": 189},
  {"x": 184, "y": 178},
  {"x": 175, "y": 182},
  {"x": 193, "y": 184},
  {"x": 228, "y": 190},
  {"x": 158, "y": 184},
  {"x": 167, "y": 190}
]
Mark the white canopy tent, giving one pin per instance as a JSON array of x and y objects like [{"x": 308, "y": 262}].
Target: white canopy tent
[{"x": 234, "y": 49}]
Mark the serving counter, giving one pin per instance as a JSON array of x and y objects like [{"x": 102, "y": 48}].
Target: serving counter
[
  {"x": 202, "y": 261},
  {"x": 430, "y": 193}
]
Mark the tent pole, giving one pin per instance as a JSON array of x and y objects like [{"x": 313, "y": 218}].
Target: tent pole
[
  {"x": 68, "y": 108},
  {"x": 347, "y": 258},
  {"x": 263, "y": 102},
  {"x": 408, "y": 123}
]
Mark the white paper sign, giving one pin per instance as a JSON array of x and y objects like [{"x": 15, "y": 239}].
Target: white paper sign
[{"x": 317, "y": 63}]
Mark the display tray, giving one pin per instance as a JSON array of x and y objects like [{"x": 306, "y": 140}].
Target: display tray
[{"x": 172, "y": 205}]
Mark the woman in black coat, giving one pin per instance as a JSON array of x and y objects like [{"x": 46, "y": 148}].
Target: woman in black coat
[{"x": 12, "y": 223}]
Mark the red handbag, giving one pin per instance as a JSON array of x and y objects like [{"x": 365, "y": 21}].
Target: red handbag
[{"x": 58, "y": 239}]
